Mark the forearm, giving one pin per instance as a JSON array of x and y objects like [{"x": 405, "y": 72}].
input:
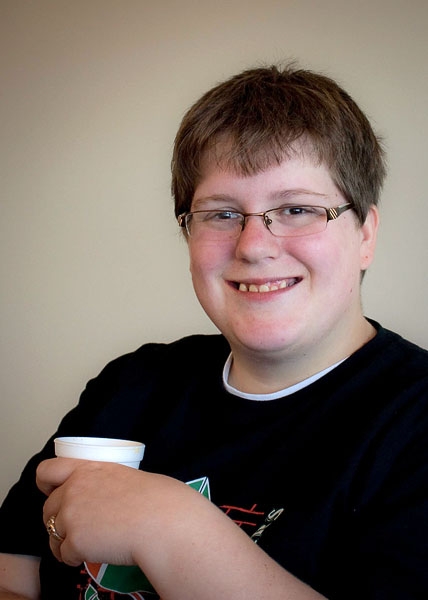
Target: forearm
[
  {"x": 19, "y": 577},
  {"x": 207, "y": 557}
]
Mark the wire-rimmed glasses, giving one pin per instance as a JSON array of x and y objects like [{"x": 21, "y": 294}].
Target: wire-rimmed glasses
[{"x": 285, "y": 221}]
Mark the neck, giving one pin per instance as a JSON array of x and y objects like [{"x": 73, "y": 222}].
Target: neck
[{"x": 263, "y": 373}]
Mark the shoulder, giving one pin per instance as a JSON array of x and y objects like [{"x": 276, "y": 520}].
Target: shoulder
[
  {"x": 193, "y": 351},
  {"x": 388, "y": 378},
  {"x": 137, "y": 379},
  {"x": 389, "y": 350},
  {"x": 385, "y": 377}
]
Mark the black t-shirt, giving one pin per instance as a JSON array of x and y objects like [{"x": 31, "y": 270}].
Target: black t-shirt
[{"x": 332, "y": 480}]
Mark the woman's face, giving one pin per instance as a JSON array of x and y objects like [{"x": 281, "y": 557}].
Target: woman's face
[{"x": 270, "y": 294}]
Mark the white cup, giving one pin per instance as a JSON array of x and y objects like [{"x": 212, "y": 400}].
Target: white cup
[{"x": 124, "y": 452}]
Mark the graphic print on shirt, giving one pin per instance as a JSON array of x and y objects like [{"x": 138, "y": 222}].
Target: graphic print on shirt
[{"x": 109, "y": 582}]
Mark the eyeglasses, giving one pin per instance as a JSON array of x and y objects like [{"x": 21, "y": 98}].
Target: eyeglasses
[{"x": 286, "y": 221}]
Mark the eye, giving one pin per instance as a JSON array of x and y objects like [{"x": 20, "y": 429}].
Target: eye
[
  {"x": 222, "y": 215},
  {"x": 299, "y": 211}
]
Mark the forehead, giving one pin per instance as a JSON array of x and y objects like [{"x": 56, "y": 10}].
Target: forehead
[{"x": 300, "y": 172}]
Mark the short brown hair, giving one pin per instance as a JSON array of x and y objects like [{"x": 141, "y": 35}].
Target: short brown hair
[{"x": 261, "y": 113}]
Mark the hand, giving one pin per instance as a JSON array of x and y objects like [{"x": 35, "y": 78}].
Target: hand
[{"x": 101, "y": 509}]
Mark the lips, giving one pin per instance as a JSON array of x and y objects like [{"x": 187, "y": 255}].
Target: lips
[{"x": 270, "y": 286}]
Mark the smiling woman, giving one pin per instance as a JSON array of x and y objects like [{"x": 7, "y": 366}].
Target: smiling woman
[{"x": 284, "y": 464}]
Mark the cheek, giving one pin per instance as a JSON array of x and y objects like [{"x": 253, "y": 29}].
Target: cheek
[
  {"x": 204, "y": 260},
  {"x": 310, "y": 251},
  {"x": 331, "y": 260}
]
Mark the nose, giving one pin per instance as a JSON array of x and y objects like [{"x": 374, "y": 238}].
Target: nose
[{"x": 255, "y": 241}]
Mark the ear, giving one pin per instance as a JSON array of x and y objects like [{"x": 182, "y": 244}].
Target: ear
[{"x": 368, "y": 237}]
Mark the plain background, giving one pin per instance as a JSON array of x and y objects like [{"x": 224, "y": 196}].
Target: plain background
[{"x": 92, "y": 92}]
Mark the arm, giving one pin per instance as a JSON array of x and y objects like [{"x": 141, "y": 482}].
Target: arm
[
  {"x": 188, "y": 548},
  {"x": 205, "y": 556},
  {"x": 19, "y": 577}
]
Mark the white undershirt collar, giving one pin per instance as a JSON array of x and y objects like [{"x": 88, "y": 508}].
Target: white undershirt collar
[{"x": 275, "y": 395}]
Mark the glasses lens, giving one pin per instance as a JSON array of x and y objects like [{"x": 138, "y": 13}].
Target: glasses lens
[
  {"x": 214, "y": 225},
  {"x": 290, "y": 221}
]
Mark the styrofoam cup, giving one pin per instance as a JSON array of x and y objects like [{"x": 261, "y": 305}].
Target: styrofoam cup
[{"x": 125, "y": 452}]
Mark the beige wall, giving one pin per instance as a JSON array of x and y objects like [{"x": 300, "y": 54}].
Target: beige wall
[{"x": 91, "y": 94}]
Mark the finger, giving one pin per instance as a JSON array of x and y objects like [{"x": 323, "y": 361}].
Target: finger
[
  {"x": 53, "y": 472},
  {"x": 51, "y": 508},
  {"x": 65, "y": 554},
  {"x": 55, "y": 547},
  {"x": 56, "y": 538},
  {"x": 58, "y": 542}
]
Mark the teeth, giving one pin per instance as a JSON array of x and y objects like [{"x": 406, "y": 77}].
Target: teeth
[{"x": 266, "y": 287}]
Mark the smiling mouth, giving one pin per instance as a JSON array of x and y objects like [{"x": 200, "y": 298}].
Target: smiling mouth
[{"x": 272, "y": 286}]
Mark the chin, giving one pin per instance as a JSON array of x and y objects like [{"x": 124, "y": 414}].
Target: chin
[{"x": 263, "y": 344}]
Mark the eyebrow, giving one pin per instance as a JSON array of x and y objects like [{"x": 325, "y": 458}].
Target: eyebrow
[
  {"x": 285, "y": 195},
  {"x": 279, "y": 196}
]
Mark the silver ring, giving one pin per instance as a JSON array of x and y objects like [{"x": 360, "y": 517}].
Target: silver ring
[{"x": 51, "y": 529}]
